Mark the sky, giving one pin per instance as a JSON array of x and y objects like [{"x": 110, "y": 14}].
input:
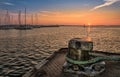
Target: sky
[{"x": 65, "y": 12}]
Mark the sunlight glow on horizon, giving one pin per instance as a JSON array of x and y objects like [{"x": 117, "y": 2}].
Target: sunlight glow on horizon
[
  {"x": 70, "y": 13},
  {"x": 72, "y": 18}
]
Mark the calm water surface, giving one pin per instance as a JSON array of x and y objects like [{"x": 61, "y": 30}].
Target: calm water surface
[{"x": 20, "y": 50}]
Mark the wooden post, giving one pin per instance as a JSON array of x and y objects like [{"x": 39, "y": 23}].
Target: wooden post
[
  {"x": 85, "y": 55},
  {"x": 79, "y": 49}
]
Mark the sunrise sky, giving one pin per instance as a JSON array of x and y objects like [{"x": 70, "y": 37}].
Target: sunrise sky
[{"x": 66, "y": 12}]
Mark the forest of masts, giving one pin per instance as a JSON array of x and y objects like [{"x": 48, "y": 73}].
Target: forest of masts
[{"x": 19, "y": 18}]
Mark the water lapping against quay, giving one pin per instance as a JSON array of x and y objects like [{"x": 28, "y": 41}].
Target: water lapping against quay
[{"x": 21, "y": 50}]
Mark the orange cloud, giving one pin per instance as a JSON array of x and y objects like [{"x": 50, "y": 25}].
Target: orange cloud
[{"x": 104, "y": 17}]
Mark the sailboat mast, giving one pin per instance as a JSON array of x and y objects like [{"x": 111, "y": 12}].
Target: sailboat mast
[
  {"x": 11, "y": 18},
  {"x": 36, "y": 16},
  {"x": 19, "y": 17},
  {"x": 25, "y": 16},
  {"x": 6, "y": 19},
  {"x": 0, "y": 18},
  {"x": 32, "y": 19},
  {"x": 0, "y": 21}
]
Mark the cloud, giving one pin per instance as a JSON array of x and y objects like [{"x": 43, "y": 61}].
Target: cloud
[
  {"x": 8, "y": 3},
  {"x": 107, "y": 3},
  {"x": 48, "y": 13}
]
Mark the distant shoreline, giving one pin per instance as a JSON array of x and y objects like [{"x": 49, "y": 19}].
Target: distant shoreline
[{"x": 25, "y": 27}]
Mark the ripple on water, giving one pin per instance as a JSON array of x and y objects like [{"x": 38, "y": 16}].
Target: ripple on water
[{"x": 20, "y": 51}]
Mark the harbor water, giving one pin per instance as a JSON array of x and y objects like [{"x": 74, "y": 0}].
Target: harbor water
[{"x": 21, "y": 50}]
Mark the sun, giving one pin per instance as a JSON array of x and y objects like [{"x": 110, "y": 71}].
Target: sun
[{"x": 89, "y": 23}]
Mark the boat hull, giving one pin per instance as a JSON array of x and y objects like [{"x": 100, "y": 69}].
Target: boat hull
[{"x": 52, "y": 66}]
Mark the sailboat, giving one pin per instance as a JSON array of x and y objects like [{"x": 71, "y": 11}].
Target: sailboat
[
  {"x": 20, "y": 26},
  {"x": 6, "y": 25}
]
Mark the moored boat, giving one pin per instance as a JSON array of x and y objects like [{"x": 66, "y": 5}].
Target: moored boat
[{"x": 53, "y": 66}]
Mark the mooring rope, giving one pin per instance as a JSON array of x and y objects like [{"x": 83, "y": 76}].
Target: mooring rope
[{"x": 93, "y": 60}]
